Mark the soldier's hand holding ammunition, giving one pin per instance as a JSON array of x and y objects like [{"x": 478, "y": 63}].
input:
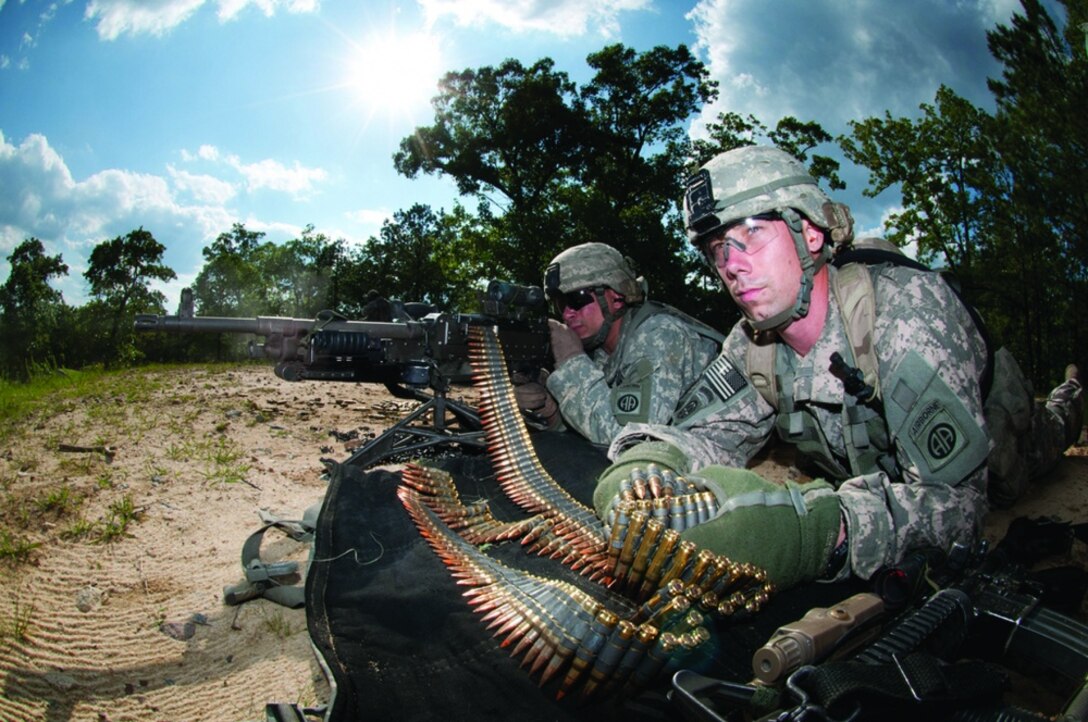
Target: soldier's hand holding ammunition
[
  {"x": 788, "y": 530},
  {"x": 565, "y": 343},
  {"x": 535, "y": 400},
  {"x": 660, "y": 453}
]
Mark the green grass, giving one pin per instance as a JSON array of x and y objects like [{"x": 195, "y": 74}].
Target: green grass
[
  {"x": 107, "y": 405},
  {"x": 56, "y": 391},
  {"x": 115, "y": 524},
  {"x": 79, "y": 529},
  {"x": 15, "y": 548},
  {"x": 17, "y": 626},
  {"x": 225, "y": 456},
  {"x": 62, "y": 501}
]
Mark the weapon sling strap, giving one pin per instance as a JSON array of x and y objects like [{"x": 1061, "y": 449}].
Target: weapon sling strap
[
  {"x": 918, "y": 678},
  {"x": 275, "y": 581}
]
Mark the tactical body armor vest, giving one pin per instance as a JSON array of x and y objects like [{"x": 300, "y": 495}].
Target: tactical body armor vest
[{"x": 865, "y": 429}]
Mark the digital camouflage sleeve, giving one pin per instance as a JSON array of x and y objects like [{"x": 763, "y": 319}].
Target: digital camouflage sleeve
[
  {"x": 930, "y": 359},
  {"x": 641, "y": 382}
]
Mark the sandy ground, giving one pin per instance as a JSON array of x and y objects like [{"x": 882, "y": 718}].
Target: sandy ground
[{"x": 93, "y": 620}]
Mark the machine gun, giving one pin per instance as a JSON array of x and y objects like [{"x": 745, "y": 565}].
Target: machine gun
[
  {"x": 419, "y": 356},
  {"x": 905, "y": 651}
]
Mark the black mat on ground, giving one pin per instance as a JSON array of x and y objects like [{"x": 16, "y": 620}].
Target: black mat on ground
[{"x": 402, "y": 643}]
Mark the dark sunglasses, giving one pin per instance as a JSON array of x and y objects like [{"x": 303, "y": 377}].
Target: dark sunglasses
[{"x": 575, "y": 300}]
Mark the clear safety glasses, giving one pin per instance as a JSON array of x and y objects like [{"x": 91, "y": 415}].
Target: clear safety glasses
[{"x": 749, "y": 236}]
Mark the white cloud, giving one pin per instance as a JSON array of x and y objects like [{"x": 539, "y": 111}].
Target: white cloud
[
  {"x": 184, "y": 209},
  {"x": 114, "y": 18},
  {"x": 298, "y": 181},
  {"x": 560, "y": 17},
  {"x": 204, "y": 152},
  {"x": 71, "y": 216},
  {"x": 844, "y": 60},
  {"x": 203, "y": 188},
  {"x": 370, "y": 218}
]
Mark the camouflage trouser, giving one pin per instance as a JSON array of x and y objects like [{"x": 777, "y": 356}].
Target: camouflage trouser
[
  {"x": 1056, "y": 425},
  {"x": 1029, "y": 437}
]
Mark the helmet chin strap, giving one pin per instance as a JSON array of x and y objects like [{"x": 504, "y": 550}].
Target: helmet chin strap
[
  {"x": 606, "y": 325},
  {"x": 809, "y": 267}
]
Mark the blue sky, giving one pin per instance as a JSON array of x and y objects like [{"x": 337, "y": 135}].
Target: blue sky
[{"x": 186, "y": 116}]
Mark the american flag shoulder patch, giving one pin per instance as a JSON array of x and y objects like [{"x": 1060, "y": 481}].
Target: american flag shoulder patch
[{"x": 719, "y": 382}]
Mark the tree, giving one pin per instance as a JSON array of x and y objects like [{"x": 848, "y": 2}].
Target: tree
[
  {"x": 508, "y": 137},
  {"x": 405, "y": 261},
  {"x": 230, "y": 283},
  {"x": 31, "y": 309},
  {"x": 1001, "y": 198},
  {"x": 1043, "y": 143},
  {"x": 552, "y": 165},
  {"x": 795, "y": 137},
  {"x": 943, "y": 164},
  {"x": 118, "y": 272},
  {"x": 300, "y": 275},
  {"x": 632, "y": 172}
]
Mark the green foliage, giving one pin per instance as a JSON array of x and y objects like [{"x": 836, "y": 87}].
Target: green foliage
[
  {"x": 114, "y": 525},
  {"x": 31, "y": 311},
  {"x": 118, "y": 273},
  {"x": 1000, "y": 199},
  {"x": 14, "y": 548},
  {"x": 943, "y": 164},
  {"x": 404, "y": 262},
  {"x": 230, "y": 282},
  {"x": 553, "y": 165}
]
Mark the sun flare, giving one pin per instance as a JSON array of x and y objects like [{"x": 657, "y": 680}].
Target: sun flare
[{"x": 394, "y": 74}]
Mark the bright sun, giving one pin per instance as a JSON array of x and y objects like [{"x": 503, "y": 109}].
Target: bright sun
[{"x": 395, "y": 75}]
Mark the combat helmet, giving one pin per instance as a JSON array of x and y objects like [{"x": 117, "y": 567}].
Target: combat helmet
[
  {"x": 595, "y": 266},
  {"x": 755, "y": 180}
]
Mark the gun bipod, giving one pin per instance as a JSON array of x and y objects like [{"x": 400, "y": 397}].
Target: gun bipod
[{"x": 451, "y": 422}]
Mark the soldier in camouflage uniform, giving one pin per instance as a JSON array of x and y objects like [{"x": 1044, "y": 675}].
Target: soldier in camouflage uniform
[
  {"x": 619, "y": 358},
  {"x": 905, "y": 448}
]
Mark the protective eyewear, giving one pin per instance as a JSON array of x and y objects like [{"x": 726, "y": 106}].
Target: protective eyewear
[
  {"x": 755, "y": 233},
  {"x": 574, "y": 300}
]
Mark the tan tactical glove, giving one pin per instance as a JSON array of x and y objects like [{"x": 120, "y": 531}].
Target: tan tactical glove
[
  {"x": 535, "y": 401},
  {"x": 565, "y": 343}
]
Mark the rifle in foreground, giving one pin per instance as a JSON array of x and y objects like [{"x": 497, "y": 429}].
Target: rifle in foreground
[
  {"x": 881, "y": 655},
  {"x": 419, "y": 355}
]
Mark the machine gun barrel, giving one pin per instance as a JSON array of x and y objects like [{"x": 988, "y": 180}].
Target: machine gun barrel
[{"x": 274, "y": 325}]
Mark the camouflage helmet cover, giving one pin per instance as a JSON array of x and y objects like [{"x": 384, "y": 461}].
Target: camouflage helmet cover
[
  {"x": 748, "y": 181},
  {"x": 592, "y": 265}
]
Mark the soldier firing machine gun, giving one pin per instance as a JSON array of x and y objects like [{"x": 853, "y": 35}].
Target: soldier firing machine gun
[{"x": 418, "y": 358}]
